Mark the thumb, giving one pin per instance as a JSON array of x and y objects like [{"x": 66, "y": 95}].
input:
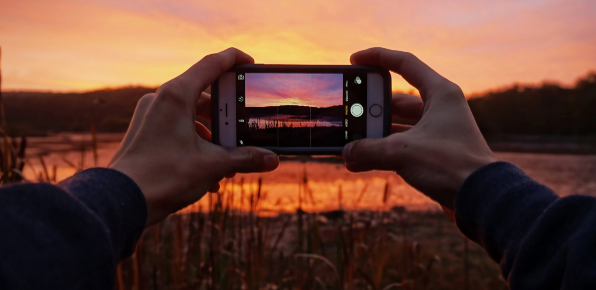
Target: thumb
[
  {"x": 252, "y": 159},
  {"x": 370, "y": 154}
]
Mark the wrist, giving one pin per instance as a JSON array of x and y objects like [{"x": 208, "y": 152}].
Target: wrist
[
  {"x": 470, "y": 167},
  {"x": 464, "y": 170}
]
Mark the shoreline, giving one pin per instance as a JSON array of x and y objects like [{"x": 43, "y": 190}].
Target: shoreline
[{"x": 513, "y": 144}]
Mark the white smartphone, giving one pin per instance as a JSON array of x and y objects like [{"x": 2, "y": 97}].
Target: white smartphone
[{"x": 300, "y": 109}]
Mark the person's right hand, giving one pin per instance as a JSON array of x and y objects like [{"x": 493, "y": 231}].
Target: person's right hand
[
  {"x": 441, "y": 150},
  {"x": 169, "y": 155}
]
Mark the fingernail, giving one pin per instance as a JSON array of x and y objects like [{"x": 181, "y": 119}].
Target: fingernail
[{"x": 270, "y": 162}]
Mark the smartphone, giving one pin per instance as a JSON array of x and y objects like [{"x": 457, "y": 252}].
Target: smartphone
[{"x": 300, "y": 109}]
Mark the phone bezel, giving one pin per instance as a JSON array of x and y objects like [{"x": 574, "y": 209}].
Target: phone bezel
[{"x": 261, "y": 68}]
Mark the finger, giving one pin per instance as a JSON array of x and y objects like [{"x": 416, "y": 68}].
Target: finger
[
  {"x": 212, "y": 66},
  {"x": 204, "y": 106},
  {"x": 180, "y": 95},
  {"x": 231, "y": 175},
  {"x": 202, "y": 131},
  {"x": 368, "y": 154},
  {"x": 407, "y": 107},
  {"x": 141, "y": 110},
  {"x": 251, "y": 159},
  {"x": 412, "y": 69},
  {"x": 400, "y": 128}
]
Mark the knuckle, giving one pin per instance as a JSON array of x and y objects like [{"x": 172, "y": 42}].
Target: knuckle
[
  {"x": 172, "y": 93},
  {"x": 168, "y": 89},
  {"x": 452, "y": 90},
  {"x": 410, "y": 57},
  {"x": 247, "y": 158},
  {"x": 233, "y": 49},
  {"x": 213, "y": 58},
  {"x": 447, "y": 90},
  {"x": 145, "y": 101},
  {"x": 250, "y": 160},
  {"x": 376, "y": 49}
]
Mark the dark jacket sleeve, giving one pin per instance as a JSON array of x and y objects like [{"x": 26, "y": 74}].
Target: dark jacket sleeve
[
  {"x": 70, "y": 235},
  {"x": 541, "y": 241}
]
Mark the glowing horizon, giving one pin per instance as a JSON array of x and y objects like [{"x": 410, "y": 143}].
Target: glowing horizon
[
  {"x": 68, "y": 45},
  {"x": 279, "y": 89}
]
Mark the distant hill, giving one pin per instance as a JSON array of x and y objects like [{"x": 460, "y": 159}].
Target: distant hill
[
  {"x": 545, "y": 110},
  {"x": 32, "y": 113}
]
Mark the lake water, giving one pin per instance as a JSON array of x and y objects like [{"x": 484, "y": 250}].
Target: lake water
[{"x": 329, "y": 185}]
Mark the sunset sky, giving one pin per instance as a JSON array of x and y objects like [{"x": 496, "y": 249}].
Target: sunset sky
[
  {"x": 64, "y": 45},
  {"x": 314, "y": 90}
]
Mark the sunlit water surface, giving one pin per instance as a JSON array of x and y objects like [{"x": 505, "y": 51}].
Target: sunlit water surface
[
  {"x": 295, "y": 121},
  {"x": 328, "y": 186}
]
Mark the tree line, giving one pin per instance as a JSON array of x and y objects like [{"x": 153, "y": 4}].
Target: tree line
[{"x": 548, "y": 109}]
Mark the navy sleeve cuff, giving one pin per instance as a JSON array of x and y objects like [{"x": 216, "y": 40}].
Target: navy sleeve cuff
[
  {"x": 496, "y": 207},
  {"x": 116, "y": 200}
]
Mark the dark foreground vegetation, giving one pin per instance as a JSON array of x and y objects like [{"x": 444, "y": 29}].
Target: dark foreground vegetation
[
  {"x": 223, "y": 248},
  {"x": 545, "y": 110}
]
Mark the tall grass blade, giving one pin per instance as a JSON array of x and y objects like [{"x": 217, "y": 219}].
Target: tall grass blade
[
  {"x": 394, "y": 285},
  {"x": 360, "y": 195},
  {"x": 320, "y": 258},
  {"x": 45, "y": 169},
  {"x": 21, "y": 153},
  {"x": 94, "y": 142}
]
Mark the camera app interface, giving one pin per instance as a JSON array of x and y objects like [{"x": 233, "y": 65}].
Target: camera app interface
[{"x": 300, "y": 109}]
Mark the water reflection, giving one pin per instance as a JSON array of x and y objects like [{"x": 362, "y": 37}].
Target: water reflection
[
  {"x": 328, "y": 186},
  {"x": 294, "y": 121}
]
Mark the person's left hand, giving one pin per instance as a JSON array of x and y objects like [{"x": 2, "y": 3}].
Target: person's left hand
[{"x": 168, "y": 154}]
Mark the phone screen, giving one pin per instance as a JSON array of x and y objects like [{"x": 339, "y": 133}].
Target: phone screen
[{"x": 300, "y": 109}]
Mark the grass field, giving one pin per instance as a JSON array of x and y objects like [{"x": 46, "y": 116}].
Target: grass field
[{"x": 223, "y": 248}]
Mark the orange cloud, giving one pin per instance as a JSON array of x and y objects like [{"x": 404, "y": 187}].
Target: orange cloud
[{"x": 75, "y": 45}]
